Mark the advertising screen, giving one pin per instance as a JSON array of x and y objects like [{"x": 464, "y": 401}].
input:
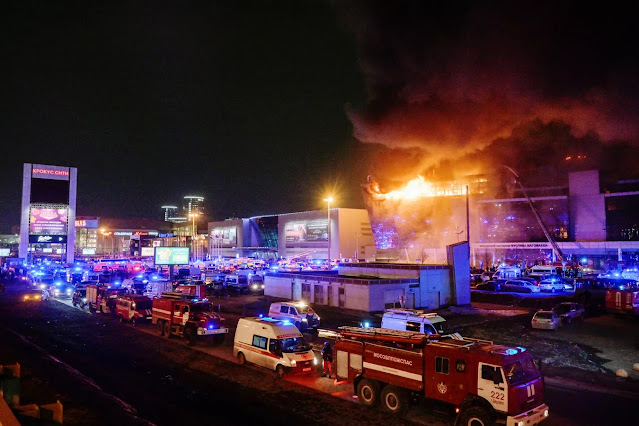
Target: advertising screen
[
  {"x": 48, "y": 221},
  {"x": 148, "y": 251},
  {"x": 5, "y": 252},
  {"x": 172, "y": 255},
  {"x": 49, "y": 191},
  {"x": 228, "y": 235},
  {"x": 86, "y": 223},
  {"x": 307, "y": 231},
  {"x": 88, "y": 251}
]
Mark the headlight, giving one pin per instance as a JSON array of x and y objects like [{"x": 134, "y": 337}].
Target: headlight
[
  {"x": 57, "y": 291},
  {"x": 314, "y": 361},
  {"x": 37, "y": 297},
  {"x": 43, "y": 286},
  {"x": 254, "y": 286},
  {"x": 84, "y": 299},
  {"x": 293, "y": 363},
  {"x": 546, "y": 413},
  {"x": 68, "y": 291},
  {"x": 262, "y": 285},
  {"x": 26, "y": 297}
]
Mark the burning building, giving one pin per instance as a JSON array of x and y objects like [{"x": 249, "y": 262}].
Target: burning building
[{"x": 416, "y": 222}]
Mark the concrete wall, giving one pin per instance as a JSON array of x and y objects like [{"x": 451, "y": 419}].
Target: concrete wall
[
  {"x": 459, "y": 261},
  {"x": 354, "y": 233},
  {"x": 587, "y": 207}
]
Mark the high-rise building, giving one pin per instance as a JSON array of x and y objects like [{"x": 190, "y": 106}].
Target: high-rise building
[
  {"x": 193, "y": 204},
  {"x": 170, "y": 212}
]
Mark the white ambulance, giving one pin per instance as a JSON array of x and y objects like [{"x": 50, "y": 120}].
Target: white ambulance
[
  {"x": 298, "y": 313},
  {"x": 275, "y": 344}
]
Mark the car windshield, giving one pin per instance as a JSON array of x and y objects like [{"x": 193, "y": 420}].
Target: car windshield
[
  {"x": 294, "y": 344},
  {"x": 143, "y": 304},
  {"x": 562, "y": 309},
  {"x": 521, "y": 371},
  {"x": 303, "y": 309},
  {"x": 202, "y": 307},
  {"x": 442, "y": 327}
]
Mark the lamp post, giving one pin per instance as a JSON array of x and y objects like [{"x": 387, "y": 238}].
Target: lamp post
[
  {"x": 329, "y": 200},
  {"x": 193, "y": 242}
]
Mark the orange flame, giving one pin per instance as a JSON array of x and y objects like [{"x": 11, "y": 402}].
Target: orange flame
[{"x": 420, "y": 188}]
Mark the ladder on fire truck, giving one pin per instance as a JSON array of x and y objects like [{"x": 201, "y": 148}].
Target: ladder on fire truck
[
  {"x": 399, "y": 336},
  {"x": 551, "y": 240},
  {"x": 177, "y": 295}
]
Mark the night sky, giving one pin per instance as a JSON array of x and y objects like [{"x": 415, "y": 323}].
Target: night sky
[
  {"x": 241, "y": 102},
  {"x": 263, "y": 107}
]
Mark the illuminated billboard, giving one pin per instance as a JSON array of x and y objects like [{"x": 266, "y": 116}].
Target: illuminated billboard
[
  {"x": 227, "y": 235},
  {"x": 5, "y": 252},
  {"x": 307, "y": 231},
  {"x": 148, "y": 251},
  {"x": 172, "y": 255},
  {"x": 48, "y": 221}
]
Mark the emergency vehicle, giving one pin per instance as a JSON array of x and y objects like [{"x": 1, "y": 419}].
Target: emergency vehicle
[
  {"x": 275, "y": 344},
  {"x": 101, "y": 298},
  {"x": 133, "y": 308},
  {"x": 414, "y": 320},
  {"x": 483, "y": 382},
  {"x": 187, "y": 317},
  {"x": 298, "y": 313},
  {"x": 623, "y": 301}
]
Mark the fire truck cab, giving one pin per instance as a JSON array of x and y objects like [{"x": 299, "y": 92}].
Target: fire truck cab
[
  {"x": 481, "y": 382},
  {"x": 623, "y": 301},
  {"x": 188, "y": 317},
  {"x": 133, "y": 308}
]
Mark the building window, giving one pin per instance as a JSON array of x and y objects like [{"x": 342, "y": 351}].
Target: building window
[{"x": 441, "y": 365}]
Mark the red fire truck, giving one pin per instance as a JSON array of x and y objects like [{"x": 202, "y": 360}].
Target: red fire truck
[
  {"x": 188, "y": 317},
  {"x": 623, "y": 301},
  {"x": 483, "y": 382},
  {"x": 133, "y": 308},
  {"x": 102, "y": 298}
]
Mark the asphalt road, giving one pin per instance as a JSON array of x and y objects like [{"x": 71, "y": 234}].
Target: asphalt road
[{"x": 105, "y": 372}]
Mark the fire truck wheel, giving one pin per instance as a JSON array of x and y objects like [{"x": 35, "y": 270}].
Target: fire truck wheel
[
  {"x": 241, "y": 358},
  {"x": 161, "y": 327},
  {"x": 368, "y": 392},
  {"x": 279, "y": 370},
  {"x": 475, "y": 416},
  {"x": 190, "y": 336},
  {"x": 394, "y": 399},
  {"x": 167, "y": 330}
]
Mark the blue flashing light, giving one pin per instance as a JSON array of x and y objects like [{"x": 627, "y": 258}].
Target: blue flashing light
[
  {"x": 286, "y": 322},
  {"x": 521, "y": 349},
  {"x": 145, "y": 281},
  {"x": 511, "y": 351},
  {"x": 210, "y": 327},
  {"x": 117, "y": 283},
  {"x": 261, "y": 316},
  {"x": 139, "y": 276},
  {"x": 195, "y": 300},
  {"x": 367, "y": 324},
  {"x": 616, "y": 274},
  {"x": 621, "y": 287},
  {"x": 154, "y": 277}
]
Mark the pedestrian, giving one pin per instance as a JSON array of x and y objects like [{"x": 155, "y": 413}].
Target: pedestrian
[{"x": 327, "y": 358}]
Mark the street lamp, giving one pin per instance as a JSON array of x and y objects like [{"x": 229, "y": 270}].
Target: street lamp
[
  {"x": 329, "y": 200},
  {"x": 193, "y": 233}
]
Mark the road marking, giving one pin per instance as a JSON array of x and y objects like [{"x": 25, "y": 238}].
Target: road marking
[{"x": 82, "y": 377}]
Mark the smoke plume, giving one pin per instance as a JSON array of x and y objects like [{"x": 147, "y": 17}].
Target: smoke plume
[{"x": 457, "y": 80}]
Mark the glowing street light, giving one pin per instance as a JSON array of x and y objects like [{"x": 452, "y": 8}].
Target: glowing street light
[{"x": 329, "y": 200}]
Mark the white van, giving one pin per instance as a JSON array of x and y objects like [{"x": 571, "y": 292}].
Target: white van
[
  {"x": 275, "y": 344},
  {"x": 298, "y": 313},
  {"x": 543, "y": 270},
  {"x": 414, "y": 320}
]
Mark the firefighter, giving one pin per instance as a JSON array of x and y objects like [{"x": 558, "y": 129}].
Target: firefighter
[{"x": 327, "y": 358}]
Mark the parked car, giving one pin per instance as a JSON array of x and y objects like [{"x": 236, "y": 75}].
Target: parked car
[
  {"x": 546, "y": 320},
  {"x": 552, "y": 285},
  {"x": 60, "y": 291},
  {"x": 520, "y": 286},
  {"x": 569, "y": 311},
  {"x": 35, "y": 296},
  {"x": 490, "y": 286}
]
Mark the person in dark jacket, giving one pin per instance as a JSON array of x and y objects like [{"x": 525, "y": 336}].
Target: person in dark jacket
[{"x": 327, "y": 357}]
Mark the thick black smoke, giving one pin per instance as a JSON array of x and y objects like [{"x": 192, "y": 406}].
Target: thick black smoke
[{"x": 452, "y": 78}]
